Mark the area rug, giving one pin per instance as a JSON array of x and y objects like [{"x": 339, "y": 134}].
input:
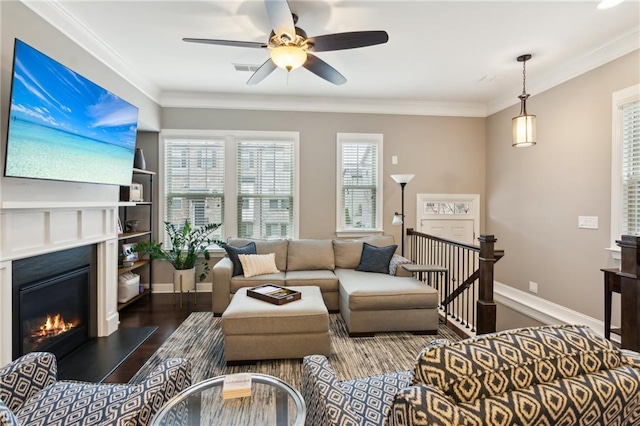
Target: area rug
[{"x": 199, "y": 338}]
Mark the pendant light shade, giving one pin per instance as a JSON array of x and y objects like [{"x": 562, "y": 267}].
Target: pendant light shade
[
  {"x": 524, "y": 125},
  {"x": 524, "y": 130}
]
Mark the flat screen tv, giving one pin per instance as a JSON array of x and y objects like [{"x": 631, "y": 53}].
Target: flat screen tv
[{"x": 64, "y": 127}]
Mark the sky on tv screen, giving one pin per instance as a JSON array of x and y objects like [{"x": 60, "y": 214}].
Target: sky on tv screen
[{"x": 65, "y": 127}]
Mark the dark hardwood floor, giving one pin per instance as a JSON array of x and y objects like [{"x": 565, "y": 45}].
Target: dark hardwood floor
[{"x": 158, "y": 310}]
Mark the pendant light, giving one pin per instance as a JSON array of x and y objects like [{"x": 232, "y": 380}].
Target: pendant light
[{"x": 524, "y": 125}]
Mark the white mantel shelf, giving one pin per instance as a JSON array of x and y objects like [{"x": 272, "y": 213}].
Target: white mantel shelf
[{"x": 26, "y": 205}]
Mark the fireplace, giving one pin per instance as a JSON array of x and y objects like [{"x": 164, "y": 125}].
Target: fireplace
[{"x": 54, "y": 302}]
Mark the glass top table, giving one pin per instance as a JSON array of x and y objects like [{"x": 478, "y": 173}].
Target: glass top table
[{"x": 272, "y": 402}]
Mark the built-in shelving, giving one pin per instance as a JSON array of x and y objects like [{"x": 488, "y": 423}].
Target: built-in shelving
[
  {"x": 127, "y": 235},
  {"x": 134, "y": 299},
  {"x": 127, "y": 208}
]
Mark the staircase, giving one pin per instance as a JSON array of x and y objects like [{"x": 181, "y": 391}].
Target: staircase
[{"x": 463, "y": 277}]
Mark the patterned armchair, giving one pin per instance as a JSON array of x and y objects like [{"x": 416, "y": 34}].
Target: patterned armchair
[
  {"x": 552, "y": 375},
  {"x": 30, "y": 394}
]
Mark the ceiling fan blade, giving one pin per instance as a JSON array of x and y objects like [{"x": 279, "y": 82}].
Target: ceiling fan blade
[
  {"x": 232, "y": 43},
  {"x": 261, "y": 73},
  {"x": 323, "y": 70},
  {"x": 280, "y": 17},
  {"x": 350, "y": 40}
]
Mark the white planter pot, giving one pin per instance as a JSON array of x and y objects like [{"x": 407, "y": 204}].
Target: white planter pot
[{"x": 187, "y": 277}]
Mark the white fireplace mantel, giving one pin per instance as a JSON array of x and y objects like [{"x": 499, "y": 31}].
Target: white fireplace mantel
[{"x": 32, "y": 228}]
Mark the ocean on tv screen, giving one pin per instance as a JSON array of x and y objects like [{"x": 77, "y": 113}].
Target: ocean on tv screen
[{"x": 64, "y": 127}]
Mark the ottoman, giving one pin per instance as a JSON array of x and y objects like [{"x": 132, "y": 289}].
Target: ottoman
[{"x": 257, "y": 330}]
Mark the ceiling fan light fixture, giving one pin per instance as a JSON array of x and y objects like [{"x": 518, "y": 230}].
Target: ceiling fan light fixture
[{"x": 288, "y": 57}]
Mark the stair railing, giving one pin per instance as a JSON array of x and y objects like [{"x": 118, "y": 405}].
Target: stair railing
[{"x": 466, "y": 290}]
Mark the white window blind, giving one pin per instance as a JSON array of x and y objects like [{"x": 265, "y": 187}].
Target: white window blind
[
  {"x": 194, "y": 182},
  {"x": 265, "y": 188},
  {"x": 359, "y": 182},
  {"x": 630, "y": 135}
]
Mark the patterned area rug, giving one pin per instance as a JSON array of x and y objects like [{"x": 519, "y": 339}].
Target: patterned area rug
[{"x": 199, "y": 338}]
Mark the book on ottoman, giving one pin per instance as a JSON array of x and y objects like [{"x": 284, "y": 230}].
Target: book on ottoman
[{"x": 274, "y": 294}]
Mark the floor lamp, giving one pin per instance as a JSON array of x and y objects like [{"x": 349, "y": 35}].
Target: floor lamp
[{"x": 398, "y": 219}]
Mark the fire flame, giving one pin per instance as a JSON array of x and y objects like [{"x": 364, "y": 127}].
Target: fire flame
[{"x": 53, "y": 326}]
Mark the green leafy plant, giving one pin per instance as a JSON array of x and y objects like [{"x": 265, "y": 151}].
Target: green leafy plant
[{"x": 187, "y": 243}]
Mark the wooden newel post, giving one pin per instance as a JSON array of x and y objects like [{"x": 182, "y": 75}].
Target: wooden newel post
[
  {"x": 630, "y": 292},
  {"x": 486, "y": 321}
]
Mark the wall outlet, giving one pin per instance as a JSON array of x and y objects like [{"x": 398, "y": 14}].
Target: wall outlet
[
  {"x": 533, "y": 287},
  {"x": 588, "y": 222}
]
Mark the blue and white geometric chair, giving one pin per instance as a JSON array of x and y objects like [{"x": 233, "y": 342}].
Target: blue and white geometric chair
[{"x": 31, "y": 395}]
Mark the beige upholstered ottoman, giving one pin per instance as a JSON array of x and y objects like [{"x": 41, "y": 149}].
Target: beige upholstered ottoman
[{"x": 255, "y": 330}]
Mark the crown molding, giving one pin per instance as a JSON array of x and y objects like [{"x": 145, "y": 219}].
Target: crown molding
[
  {"x": 320, "y": 104},
  {"x": 57, "y": 16},
  {"x": 574, "y": 67},
  {"x": 61, "y": 19}
]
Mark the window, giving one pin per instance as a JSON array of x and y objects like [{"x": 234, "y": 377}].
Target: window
[
  {"x": 266, "y": 188},
  {"x": 359, "y": 180},
  {"x": 625, "y": 181},
  {"x": 247, "y": 181},
  {"x": 194, "y": 181}
]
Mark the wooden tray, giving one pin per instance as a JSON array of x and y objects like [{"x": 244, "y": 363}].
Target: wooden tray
[{"x": 274, "y": 294}]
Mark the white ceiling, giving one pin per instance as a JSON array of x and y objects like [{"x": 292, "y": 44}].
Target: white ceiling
[{"x": 443, "y": 57}]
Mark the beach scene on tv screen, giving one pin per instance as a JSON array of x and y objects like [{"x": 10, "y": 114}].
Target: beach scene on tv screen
[{"x": 64, "y": 127}]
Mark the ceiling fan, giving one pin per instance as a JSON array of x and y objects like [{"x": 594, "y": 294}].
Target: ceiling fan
[{"x": 291, "y": 48}]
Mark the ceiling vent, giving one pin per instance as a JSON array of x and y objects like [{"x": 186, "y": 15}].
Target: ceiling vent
[{"x": 246, "y": 67}]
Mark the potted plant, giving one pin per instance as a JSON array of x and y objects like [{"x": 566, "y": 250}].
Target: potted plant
[{"x": 186, "y": 245}]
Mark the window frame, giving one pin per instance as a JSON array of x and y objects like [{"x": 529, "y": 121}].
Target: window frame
[
  {"x": 366, "y": 138},
  {"x": 619, "y": 98},
  {"x": 271, "y": 138},
  {"x": 231, "y": 139}
]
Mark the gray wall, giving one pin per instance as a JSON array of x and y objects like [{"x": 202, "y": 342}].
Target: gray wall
[
  {"x": 532, "y": 197},
  {"x": 536, "y": 194},
  {"x": 446, "y": 154},
  {"x": 18, "y": 21}
]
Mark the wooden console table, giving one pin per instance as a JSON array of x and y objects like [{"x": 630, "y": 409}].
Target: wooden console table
[
  {"x": 629, "y": 276},
  {"x": 611, "y": 285}
]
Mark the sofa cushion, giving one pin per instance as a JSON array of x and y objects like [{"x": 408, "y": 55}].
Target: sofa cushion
[
  {"x": 493, "y": 364},
  {"x": 241, "y": 281},
  {"x": 310, "y": 254},
  {"x": 258, "y": 264},
  {"x": 396, "y": 261},
  {"x": 279, "y": 247},
  {"x": 348, "y": 252},
  {"x": 326, "y": 280},
  {"x": 234, "y": 252},
  {"x": 376, "y": 259},
  {"x": 364, "y": 291}
]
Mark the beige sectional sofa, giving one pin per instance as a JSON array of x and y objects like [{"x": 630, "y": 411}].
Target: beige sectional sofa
[{"x": 369, "y": 302}]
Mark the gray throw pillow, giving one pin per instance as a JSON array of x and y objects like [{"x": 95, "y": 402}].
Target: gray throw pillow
[
  {"x": 376, "y": 259},
  {"x": 233, "y": 253}
]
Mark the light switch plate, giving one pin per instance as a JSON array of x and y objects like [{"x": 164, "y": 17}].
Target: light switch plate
[{"x": 588, "y": 222}]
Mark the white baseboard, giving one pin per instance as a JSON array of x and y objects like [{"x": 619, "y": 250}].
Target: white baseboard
[
  {"x": 543, "y": 310},
  {"x": 168, "y": 288}
]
